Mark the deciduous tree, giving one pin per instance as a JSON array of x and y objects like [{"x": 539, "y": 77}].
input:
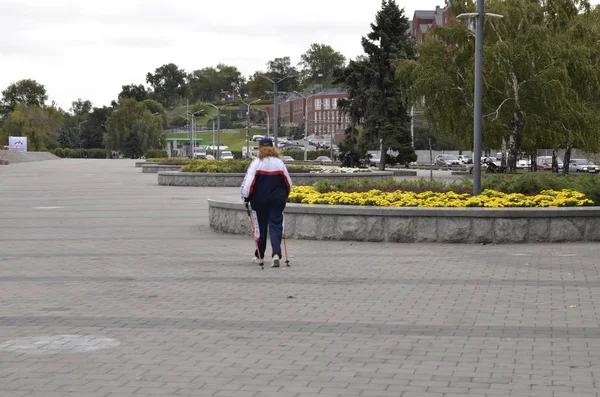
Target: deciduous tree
[
  {"x": 26, "y": 91},
  {"x": 318, "y": 64},
  {"x": 133, "y": 129}
]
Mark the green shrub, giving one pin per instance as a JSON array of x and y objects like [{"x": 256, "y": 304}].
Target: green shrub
[
  {"x": 311, "y": 155},
  {"x": 534, "y": 182},
  {"x": 420, "y": 185},
  {"x": 156, "y": 154},
  {"x": 220, "y": 166},
  {"x": 237, "y": 154},
  {"x": 182, "y": 160},
  {"x": 59, "y": 152}
]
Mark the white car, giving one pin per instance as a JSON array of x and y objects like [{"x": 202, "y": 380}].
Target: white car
[
  {"x": 287, "y": 159},
  {"x": 226, "y": 155},
  {"x": 464, "y": 159},
  {"x": 583, "y": 165},
  {"x": 446, "y": 160}
]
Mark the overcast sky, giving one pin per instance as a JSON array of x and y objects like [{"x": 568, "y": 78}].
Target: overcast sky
[{"x": 88, "y": 49}]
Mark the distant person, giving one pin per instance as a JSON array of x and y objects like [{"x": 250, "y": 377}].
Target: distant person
[{"x": 266, "y": 187}]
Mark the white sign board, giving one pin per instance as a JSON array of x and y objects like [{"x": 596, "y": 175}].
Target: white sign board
[{"x": 17, "y": 143}]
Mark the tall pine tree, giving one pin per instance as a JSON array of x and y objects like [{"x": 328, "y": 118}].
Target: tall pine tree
[{"x": 384, "y": 114}]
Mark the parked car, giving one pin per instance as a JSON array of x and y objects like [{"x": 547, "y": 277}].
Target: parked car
[
  {"x": 464, "y": 159},
  {"x": 375, "y": 160},
  {"x": 293, "y": 147},
  {"x": 545, "y": 163},
  {"x": 324, "y": 159},
  {"x": 256, "y": 138},
  {"x": 226, "y": 155},
  {"x": 583, "y": 165},
  {"x": 287, "y": 159},
  {"x": 446, "y": 160},
  {"x": 210, "y": 157},
  {"x": 200, "y": 153},
  {"x": 523, "y": 163}
]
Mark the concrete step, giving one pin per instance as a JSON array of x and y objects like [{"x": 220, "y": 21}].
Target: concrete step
[{"x": 8, "y": 157}]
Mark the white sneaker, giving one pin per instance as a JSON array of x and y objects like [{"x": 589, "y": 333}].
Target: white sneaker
[
  {"x": 275, "y": 261},
  {"x": 255, "y": 260}
]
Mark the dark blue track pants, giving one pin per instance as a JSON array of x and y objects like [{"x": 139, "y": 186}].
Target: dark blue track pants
[{"x": 269, "y": 214}]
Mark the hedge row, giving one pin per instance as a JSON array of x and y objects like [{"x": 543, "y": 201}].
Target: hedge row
[{"x": 79, "y": 153}]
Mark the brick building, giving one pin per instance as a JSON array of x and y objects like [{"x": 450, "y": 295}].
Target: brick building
[
  {"x": 324, "y": 116},
  {"x": 423, "y": 20}
]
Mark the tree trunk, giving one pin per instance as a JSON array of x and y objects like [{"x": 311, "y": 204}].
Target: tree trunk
[
  {"x": 567, "y": 158},
  {"x": 554, "y": 161},
  {"x": 382, "y": 158}
]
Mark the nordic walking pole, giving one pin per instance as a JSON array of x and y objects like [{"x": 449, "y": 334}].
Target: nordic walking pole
[
  {"x": 253, "y": 230},
  {"x": 287, "y": 261}
]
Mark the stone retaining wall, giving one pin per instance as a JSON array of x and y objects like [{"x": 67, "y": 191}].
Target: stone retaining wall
[
  {"x": 420, "y": 225},
  {"x": 235, "y": 180},
  {"x": 155, "y": 167}
]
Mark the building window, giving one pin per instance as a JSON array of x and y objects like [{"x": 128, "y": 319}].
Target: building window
[
  {"x": 334, "y": 103},
  {"x": 317, "y": 104},
  {"x": 316, "y": 115},
  {"x": 326, "y": 103}
]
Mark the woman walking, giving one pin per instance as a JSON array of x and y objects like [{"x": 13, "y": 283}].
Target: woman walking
[{"x": 266, "y": 186}]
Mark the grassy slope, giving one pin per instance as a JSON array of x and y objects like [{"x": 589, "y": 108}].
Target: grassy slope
[{"x": 235, "y": 141}]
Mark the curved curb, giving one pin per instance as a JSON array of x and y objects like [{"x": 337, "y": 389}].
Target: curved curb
[
  {"x": 154, "y": 168},
  {"x": 170, "y": 178},
  {"x": 421, "y": 225}
]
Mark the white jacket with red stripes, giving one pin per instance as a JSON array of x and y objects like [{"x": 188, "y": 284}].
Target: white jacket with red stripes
[{"x": 266, "y": 179}]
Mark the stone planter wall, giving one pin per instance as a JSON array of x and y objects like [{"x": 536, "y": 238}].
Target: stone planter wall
[
  {"x": 420, "y": 225},
  {"x": 235, "y": 180},
  {"x": 139, "y": 164},
  {"x": 155, "y": 167}
]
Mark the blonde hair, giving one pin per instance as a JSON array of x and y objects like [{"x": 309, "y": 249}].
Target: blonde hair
[{"x": 268, "y": 151}]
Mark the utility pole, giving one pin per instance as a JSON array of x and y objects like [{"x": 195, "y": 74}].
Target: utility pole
[
  {"x": 218, "y": 129},
  {"x": 275, "y": 103},
  {"x": 248, "y": 126},
  {"x": 306, "y": 98}
]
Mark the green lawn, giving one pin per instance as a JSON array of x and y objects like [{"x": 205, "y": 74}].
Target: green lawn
[
  {"x": 177, "y": 116},
  {"x": 235, "y": 140}
]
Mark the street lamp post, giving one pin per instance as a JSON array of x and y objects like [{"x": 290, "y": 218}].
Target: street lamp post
[
  {"x": 478, "y": 95},
  {"x": 306, "y": 98},
  {"x": 193, "y": 137},
  {"x": 248, "y": 125},
  {"x": 275, "y": 104},
  {"x": 79, "y": 128},
  {"x": 218, "y": 129},
  {"x": 268, "y": 121}
]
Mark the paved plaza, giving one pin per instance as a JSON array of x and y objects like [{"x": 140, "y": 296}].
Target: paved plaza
[{"x": 113, "y": 286}]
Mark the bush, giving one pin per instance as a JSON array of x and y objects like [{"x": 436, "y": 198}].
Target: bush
[
  {"x": 299, "y": 154},
  {"x": 531, "y": 183},
  {"x": 220, "y": 166},
  {"x": 59, "y": 152},
  {"x": 417, "y": 186},
  {"x": 80, "y": 153},
  {"x": 237, "y": 154},
  {"x": 179, "y": 160},
  {"x": 156, "y": 154}
]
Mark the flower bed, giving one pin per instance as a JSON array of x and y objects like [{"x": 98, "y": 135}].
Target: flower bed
[{"x": 398, "y": 198}]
